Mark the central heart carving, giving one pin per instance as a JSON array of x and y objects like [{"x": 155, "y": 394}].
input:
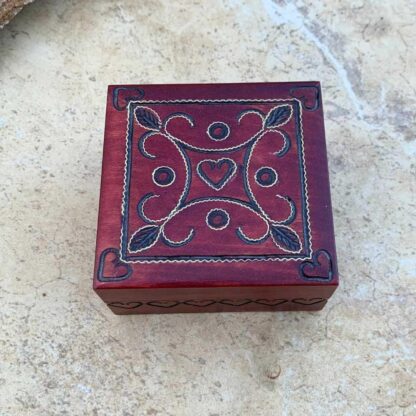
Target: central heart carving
[{"x": 216, "y": 173}]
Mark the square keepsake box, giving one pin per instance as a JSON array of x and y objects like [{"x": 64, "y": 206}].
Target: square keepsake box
[{"x": 215, "y": 198}]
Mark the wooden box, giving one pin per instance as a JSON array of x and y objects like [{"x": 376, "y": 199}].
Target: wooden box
[{"x": 215, "y": 198}]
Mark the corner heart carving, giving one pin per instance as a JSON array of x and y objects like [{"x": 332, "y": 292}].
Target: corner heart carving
[
  {"x": 319, "y": 268},
  {"x": 111, "y": 268},
  {"x": 213, "y": 173},
  {"x": 308, "y": 95},
  {"x": 123, "y": 95}
]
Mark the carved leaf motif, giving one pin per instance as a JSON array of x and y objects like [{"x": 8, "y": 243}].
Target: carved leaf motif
[
  {"x": 286, "y": 237},
  {"x": 278, "y": 116},
  {"x": 144, "y": 237},
  {"x": 147, "y": 118}
]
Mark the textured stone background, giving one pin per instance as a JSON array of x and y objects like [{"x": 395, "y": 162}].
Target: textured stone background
[
  {"x": 9, "y": 9},
  {"x": 61, "y": 350}
]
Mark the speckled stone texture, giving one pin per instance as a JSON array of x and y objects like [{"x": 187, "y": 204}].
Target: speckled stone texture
[
  {"x": 62, "y": 352},
  {"x": 9, "y": 9}
]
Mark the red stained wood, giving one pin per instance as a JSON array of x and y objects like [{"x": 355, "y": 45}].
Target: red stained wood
[{"x": 215, "y": 198}]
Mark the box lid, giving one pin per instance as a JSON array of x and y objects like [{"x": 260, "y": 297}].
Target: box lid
[{"x": 215, "y": 185}]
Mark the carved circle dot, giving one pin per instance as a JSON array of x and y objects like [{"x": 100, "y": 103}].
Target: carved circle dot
[
  {"x": 266, "y": 177},
  {"x": 163, "y": 176},
  {"x": 217, "y": 219},
  {"x": 218, "y": 131}
]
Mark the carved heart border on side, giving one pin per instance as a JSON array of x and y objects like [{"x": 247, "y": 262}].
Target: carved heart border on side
[
  {"x": 308, "y": 302},
  {"x": 126, "y": 305},
  {"x": 210, "y": 302}
]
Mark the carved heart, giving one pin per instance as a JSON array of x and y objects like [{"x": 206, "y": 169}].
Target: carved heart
[
  {"x": 270, "y": 302},
  {"x": 164, "y": 303},
  {"x": 235, "y": 302},
  {"x": 111, "y": 268},
  {"x": 122, "y": 96},
  {"x": 312, "y": 301},
  {"x": 309, "y": 95},
  {"x": 200, "y": 303},
  {"x": 320, "y": 268},
  {"x": 216, "y": 173},
  {"x": 128, "y": 305}
]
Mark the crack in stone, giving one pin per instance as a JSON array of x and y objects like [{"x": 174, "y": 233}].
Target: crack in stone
[{"x": 290, "y": 14}]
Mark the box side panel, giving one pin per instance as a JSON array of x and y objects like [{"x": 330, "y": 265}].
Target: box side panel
[{"x": 227, "y": 299}]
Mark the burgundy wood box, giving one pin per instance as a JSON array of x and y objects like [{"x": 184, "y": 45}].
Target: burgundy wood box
[{"x": 215, "y": 198}]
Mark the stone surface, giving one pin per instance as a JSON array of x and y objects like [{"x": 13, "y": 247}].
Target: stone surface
[
  {"x": 9, "y": 9},
  {"x": 63, "y": 352}
]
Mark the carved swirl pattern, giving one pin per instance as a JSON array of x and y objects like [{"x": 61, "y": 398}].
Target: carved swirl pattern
[{"x": 217, "y": 167}]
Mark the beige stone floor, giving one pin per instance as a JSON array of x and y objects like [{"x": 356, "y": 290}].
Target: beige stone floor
[{"x": 61, "y": 350}]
